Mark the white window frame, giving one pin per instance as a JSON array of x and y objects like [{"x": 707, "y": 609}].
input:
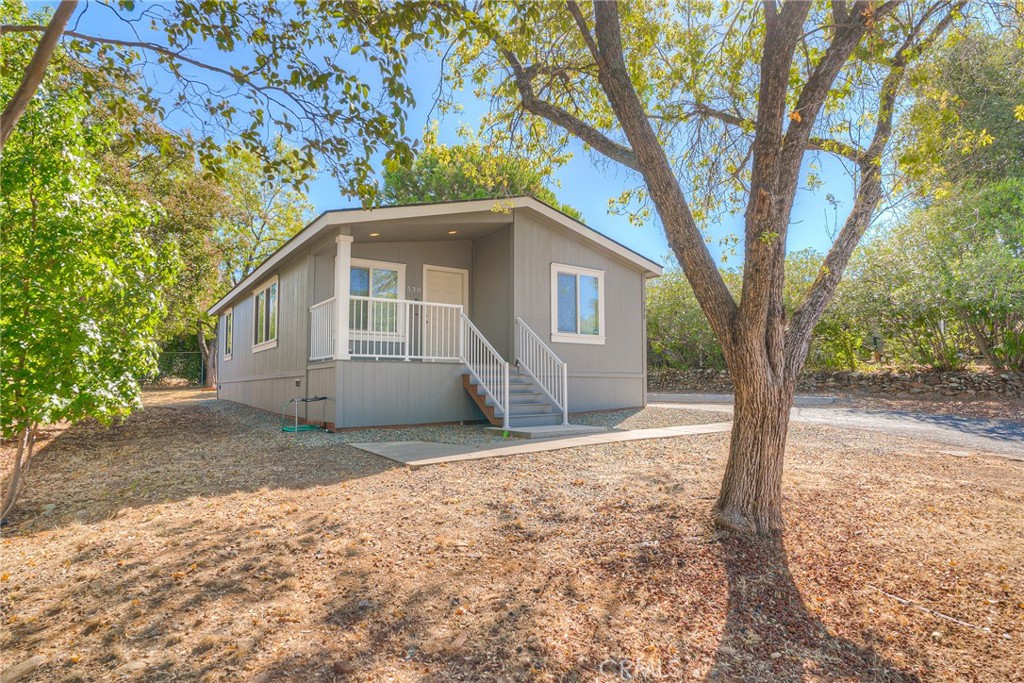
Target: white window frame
[
  {"x": 369, "y": 333},
  {"x": 229, "y": 333},
  {"x": 269, "y": 343},
  {"x": 577, "y": 337}
]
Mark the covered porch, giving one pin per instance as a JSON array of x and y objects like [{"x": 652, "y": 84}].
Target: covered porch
[
  {"x": 445, "y": 299},
  {"x": 411, "y": 289}
]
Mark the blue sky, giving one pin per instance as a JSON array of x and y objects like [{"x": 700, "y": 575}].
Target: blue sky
[{"x": 583, "y": 183}]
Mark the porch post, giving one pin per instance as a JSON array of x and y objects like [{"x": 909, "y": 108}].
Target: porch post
[{"x": 342, "y": 266}]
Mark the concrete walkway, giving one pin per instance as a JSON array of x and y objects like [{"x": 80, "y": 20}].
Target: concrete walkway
[
  {"x": 962, "y": 434},
  {"x": 415, "y": 454}
]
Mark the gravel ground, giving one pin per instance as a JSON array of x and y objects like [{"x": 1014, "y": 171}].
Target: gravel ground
[
  {"x": 477, "y": 434},
  {"x": 649, "y": 418},
  {"x": 195, "y": 542}
]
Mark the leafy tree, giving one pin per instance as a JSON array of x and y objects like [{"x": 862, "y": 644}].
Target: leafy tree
[
  {"x": 470, "y": 171},
  {"x": 718, "y": 106},
  {"x": 262, "y": 215},
  {"x": 678, "y": 333},
  {"x": 81, "y": 283},
  {"x": 160, "y": 168},
  {"x": 680, "y": 336},
  {"x": 330, "y": 76},
  {"x": 259, "y": 215},
  {"x": 949, "y": 281},
  {"x": 967, "y": 120}
]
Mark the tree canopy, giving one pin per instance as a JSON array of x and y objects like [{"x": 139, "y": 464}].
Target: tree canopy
[
  {"x": 329, "y": 77},
  {"x": 468, "y": 171},
  {"x": 716, "y": 107},
  {"x": 82, "y": 284}
]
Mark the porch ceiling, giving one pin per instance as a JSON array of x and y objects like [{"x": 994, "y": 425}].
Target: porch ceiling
[{"x": 418, "y": 229}]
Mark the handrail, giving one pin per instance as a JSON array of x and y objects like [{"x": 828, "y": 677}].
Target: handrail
[
  {"x": 321, "y": 330},
  {"x": 549, "y": 371},
  {"x": 486, "y": 366}
]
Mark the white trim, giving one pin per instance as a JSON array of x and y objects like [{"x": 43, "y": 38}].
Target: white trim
[
  {"x": 371, "y": 265},
  {"x": 230, "y": 311},
  {"x": 570, "y": 338},
  {"x": 264, "y": 286},
  {"x": 577, "y": 337},
  {"x": 342, "y": 280},
  {"x": 263, "y": 346},
  {"x": 333, "y": 219},
  {"x": 446, "y": 269},
  {"x": 381, "y": 265}
]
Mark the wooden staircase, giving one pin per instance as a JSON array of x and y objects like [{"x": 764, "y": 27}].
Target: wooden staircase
[{"x": 529, "y": 406}]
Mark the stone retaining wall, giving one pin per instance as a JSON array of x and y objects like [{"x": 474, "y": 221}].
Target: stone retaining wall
[{"x": 888, "y": 382}]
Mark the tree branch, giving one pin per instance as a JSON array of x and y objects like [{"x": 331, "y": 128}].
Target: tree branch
[
  {"x": 36, "y": 70},
  {"x": 557, "y": 115},
  {"x": 843, "y": 149},
  {"x": 868, "y": 195},
  {"x": 682, "y": 231},
  {"x": 581, "y": 23}
]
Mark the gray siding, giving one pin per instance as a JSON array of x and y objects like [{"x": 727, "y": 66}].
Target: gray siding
[
  {"x": 266, "y": 379},
  {"x": 400, "y": 392},
  {"x": 510, "y": 275},
  {"x": 490, "y": 289},
  {"x": 322, "y": 381},
  {"x": 453, "y": 254},
  {"x": 323, "y": 276},
  {"x": 610, "y": 375}
]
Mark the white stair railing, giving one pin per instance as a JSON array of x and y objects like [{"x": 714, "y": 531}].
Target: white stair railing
[
  {"x": 321, "y": 330},
  {"x": 486, "y": 366},
  {"x": 550, "y": 372}
]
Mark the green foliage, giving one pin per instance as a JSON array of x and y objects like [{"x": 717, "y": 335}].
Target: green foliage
[
  {"x": 678, "y": 334},
  {"x": 963, "y": 125},
  {"x": 261, "y": 213},
  {"x": 947, "y": 285},
  {"x": 330, "y": 77},
  {"x": 468, "y": 171},
  {"x": 81, "y": 284}
]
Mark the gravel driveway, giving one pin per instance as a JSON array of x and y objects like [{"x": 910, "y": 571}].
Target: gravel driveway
[{"x": 1003, "y": 437}]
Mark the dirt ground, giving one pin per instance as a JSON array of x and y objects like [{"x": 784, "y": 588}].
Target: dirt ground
[{"x": 195, "y": 542}]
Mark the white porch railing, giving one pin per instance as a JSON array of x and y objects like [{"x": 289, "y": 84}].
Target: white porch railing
[
  {"x": 399, "y": 328},
  {"x": 321, "y": 330},
  {"x": 486, "y": 366},
  {"x": 550, "y": 372},
  {"x": 414, "y": 330}
]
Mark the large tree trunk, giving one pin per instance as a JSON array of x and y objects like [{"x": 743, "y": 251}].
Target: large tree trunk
[
  {"x": 750, "y": 500},
  {"x": 209, "y": 351}
]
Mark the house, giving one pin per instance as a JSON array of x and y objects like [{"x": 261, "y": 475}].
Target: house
[{"x": 506, "y": 310}]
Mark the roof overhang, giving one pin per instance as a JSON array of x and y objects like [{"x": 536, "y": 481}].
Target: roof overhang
[{"x": 350, "y": 217}]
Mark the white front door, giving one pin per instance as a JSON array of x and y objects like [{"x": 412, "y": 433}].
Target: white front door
[{"x": 441, "y": 325}]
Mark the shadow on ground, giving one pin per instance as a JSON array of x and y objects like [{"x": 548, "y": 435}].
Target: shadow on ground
[
  {"x": 172, "y": 451},
  {"x": 770, "y": 635}
]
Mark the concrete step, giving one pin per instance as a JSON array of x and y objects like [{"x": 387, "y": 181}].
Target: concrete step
[
  {"x": 531, "y": 409},
  {"x": 535, "y": 420}
]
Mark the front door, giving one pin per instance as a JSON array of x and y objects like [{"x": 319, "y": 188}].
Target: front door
[{"x": 441, "y": 324}]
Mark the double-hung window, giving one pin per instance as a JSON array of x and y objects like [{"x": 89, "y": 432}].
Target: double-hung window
[
  {"x": 369, "y": 282},
  {"x": 577, "y": 305},
  {"x": 229, "y": 332},
  {"x": 265, "y": 316}
]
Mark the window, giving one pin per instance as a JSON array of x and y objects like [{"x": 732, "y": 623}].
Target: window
[
  {"x": 229, "y": 325},
  {"x": 377, "y": 280},
  {"x": 265, "y": 316},
  {"x": 577, "y": 305}
]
